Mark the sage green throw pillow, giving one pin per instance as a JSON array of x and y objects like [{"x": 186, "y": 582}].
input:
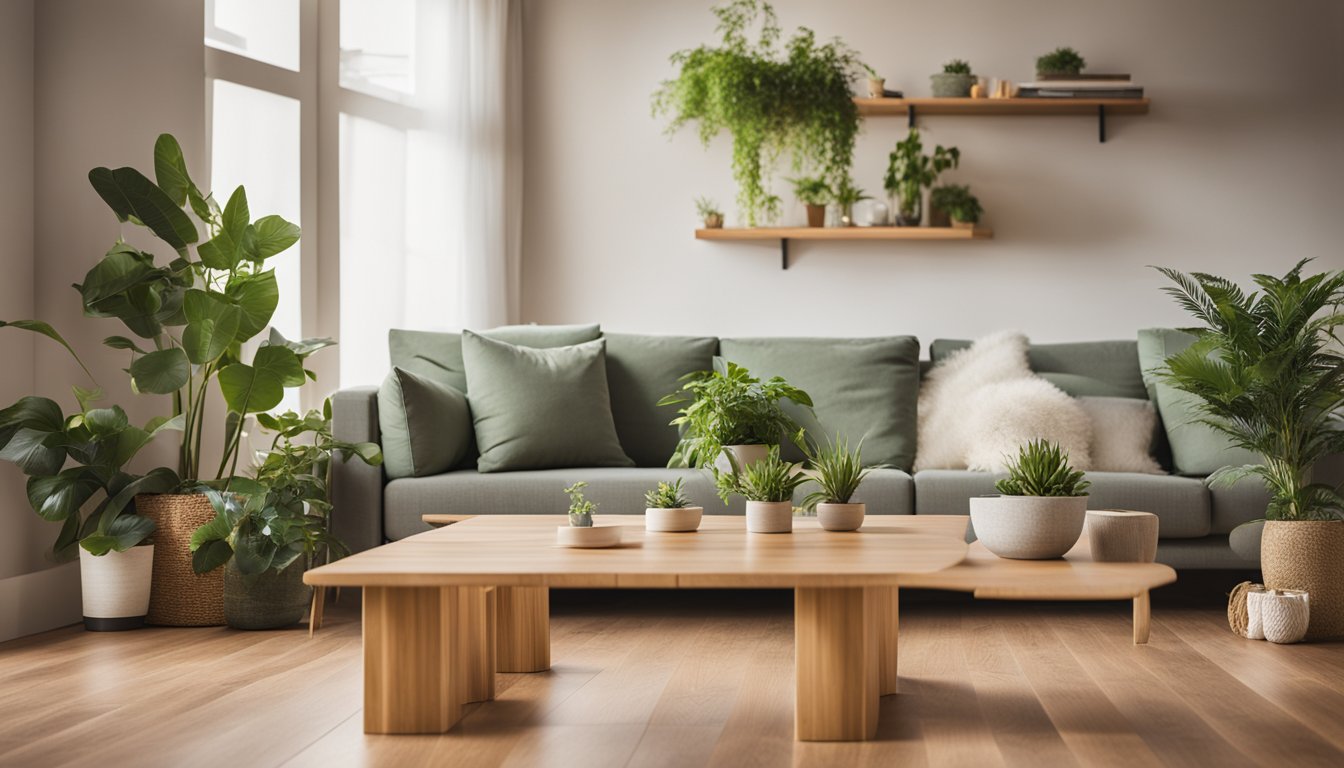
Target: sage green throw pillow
[
  {"x": 640, "y": 371},
  {"x": 425, "y": 425},
  {"x": 540, "y": 408},
  {"x": 862, "y": 389},
  {"x": 1196, "y": 448},
  {"x": 438, "y": 356}
]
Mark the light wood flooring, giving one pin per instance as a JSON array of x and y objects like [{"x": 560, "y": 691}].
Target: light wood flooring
[{"x": 690, "y": 679}]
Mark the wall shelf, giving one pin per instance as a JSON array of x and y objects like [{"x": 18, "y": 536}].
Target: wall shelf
[
  {"x": 1100, "y": 108},
  {"x": 785, "y": 234}
]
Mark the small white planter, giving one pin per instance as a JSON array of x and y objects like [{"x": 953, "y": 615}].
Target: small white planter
[
  {"x": 680, "y": 520},
  {"x": 588, "y": 537},
  {"x": 1283, "y": 613},
  {"x": 1028, "y": 527},
  {"x": 115, "y": 588},
  {"x": 840, "y": 517},
  {"x": 745, "y": 455},
  {"x": 770, "y": 516}
]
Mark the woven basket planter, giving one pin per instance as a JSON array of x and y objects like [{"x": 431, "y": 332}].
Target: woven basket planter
[
  {"x": 1308, "y": 555},
  {"x": 179, "y": 597}
]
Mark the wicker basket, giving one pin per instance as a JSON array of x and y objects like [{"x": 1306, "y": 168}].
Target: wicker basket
[
  {"x": 1308, "y": 555},
  {"x": 178, "y": 596}
]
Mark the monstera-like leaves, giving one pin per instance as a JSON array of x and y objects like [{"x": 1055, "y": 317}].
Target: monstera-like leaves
[{"x": 261, "y": 385}]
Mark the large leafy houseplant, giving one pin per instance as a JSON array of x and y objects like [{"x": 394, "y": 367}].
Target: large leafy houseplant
[
  {"x": 794, "y": 101},
  {"x": 910, "y": 171}
]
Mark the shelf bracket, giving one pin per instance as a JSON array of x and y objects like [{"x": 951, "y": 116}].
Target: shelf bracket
[
  {"x": 1101, "y": 123},
  {"x": 910, "y": 113},
  {"x": 784, "y": 252}
]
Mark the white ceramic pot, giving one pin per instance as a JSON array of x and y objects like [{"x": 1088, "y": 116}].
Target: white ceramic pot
[
  {"x": 840, "y": 517},
  {"x": 770, "y": 516},
  {"x": 115, "y": 588},
  {"x": 1284, "y": 614},
  {"x": 744, "y": 455},
  {"x": 680, "y": 520},
  {"x": 1028, "y": 527},
  {"x": 588, "y": 537}
]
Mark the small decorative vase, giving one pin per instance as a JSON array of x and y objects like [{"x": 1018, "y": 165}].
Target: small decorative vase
[
  {"x": 584, "y": 520},
  {"x": 816, "y": 215},
  {"x": 1119, "y": 536},
  {"x": 679, "y": 520},
  {"x": 978, "y": 90},
  {"x": 115, "y": 588},
  {"x": 876, "y": 87},
  {"x": 840, "y": 517},
  {"x": 878, "y": 214},
  {"x": 910, "y": 210},
  {"x": 744, "y": 455},
  {"x": 595, "y": 537},
  {"x": 769, "y": 516},
  {"x": 948, "y": 85},
  {"x": 1028, "y": 527},
  {"x": 714, "y": 222},
  {"x": 1284, "y": 615},
  {"x": 1308, "y": 555},
  {"x": 1255, "y": 627},
  {"x": 267, "y": 600}
]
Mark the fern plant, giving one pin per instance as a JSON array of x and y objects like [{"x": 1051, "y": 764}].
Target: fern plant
[
  {"x": 812, "y": 190},
  {"x": 838, "y": 473},
  {"x": 667, "y": 496},
  {"x": 580, "y": 509},
  {"x": 1269, "y": 374},
  {"x": 1061, "y": 61},
  {"x": 1041, "y": 468},
  {"x": 770, "y": 480}
]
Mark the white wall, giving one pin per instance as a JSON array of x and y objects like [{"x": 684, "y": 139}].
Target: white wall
[{"x": 1236, "y": 169}]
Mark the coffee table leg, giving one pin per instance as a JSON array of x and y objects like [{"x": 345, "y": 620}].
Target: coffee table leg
[
  {"x": 888, "y": 637},
  {"x": 1142, "y": 617},
  {"x": 523, "y": 629},
  {"x": 836, "y": 663},
  {"x": 411, "y": 663},
  {"x": 473, "y": 635}
]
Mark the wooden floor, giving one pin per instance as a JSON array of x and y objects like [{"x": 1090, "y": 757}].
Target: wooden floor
[{"x": 695, "y": 678}]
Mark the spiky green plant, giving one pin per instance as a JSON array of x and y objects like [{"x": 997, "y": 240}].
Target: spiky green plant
[
  {"x": 1061, "y": 61},
  {"x": 580, "y": 509},
  {"x": 770, "y": 479},
  {"x": 1269, "y": 374},
  {"x": 837, "y": 471},
  {"x": 667, "y": 496},
  {"x": 1041, "y": 468},
  {"x": 957, "y": 67}
]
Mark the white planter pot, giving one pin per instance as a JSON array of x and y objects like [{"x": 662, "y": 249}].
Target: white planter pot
[
  {"x": 115, "y": 588},
  {"x": 770, "y": 516},
  {"x": 588, "y": 537},
  {"x": 840, "y": 517},
  {"x": 744, "y": 455},
  {"x": 1284, "y": 614},
  {"x": 680, "y": 520},
  {"x": 1028, "y": 527}
]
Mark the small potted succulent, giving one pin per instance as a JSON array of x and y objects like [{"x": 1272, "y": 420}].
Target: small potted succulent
[
  {"x": 877, "y": 85},
  {"x": 1040, "y": 512},
  {"x": 814, "y": 193},
  {"x": 709, "y": 213},
  {"x": 954, "y": 82},
  {"x": 1061, "y": 62},
  {"x": 581, "y": 532},
  {"x": 837, "y": 473},
  {"x": 846, "y": 195},
  {"x": 768, "y": 487},
  {"x": 954, "y": 205},
  {"x": 668, "y": 510}
]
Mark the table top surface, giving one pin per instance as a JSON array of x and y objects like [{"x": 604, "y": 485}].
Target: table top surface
[{"x": 926, "y": 551}]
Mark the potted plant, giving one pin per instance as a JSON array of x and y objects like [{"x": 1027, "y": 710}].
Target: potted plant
[
  {"x": 709, "y": 213},
  {"x": 846, "y": 195},
  {"x": 1061, "y": 61},
  {"x": 838, "y": 473},
  {"x": 954, "y": 82},
  {"x": 910, "y": 171},
  {"x": 668, "y": 510},
  {"x": 774, "y": 100},
  {"x": 954, "y": 205},
  {"x": 1269, "y": 375},
  {"x": 268, "y": 530},
  {"x": 581, "y": 532},
  {"x": 730, "y": 417},
  {"x": 1040, "y": 512},
  {"x": 877, "y": 85},
  {"x": 814, "y": 192},
  {"x": 768, "y": 486}
]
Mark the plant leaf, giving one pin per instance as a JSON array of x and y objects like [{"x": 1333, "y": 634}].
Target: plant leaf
[
  {"x": 162, "y": 372},
  {"x": 56, "y": 497},
  {"x": 37, "y": 326},
  {"x": 273, "y": 235},
  {"x": 131, "y": 195},
  {"x": 212, "y": 325},
  {"x": 257, "y": 297},
  {"x": 126, "y": 531},
  {"x": 260, "y": 386},
  {"x": 170, "y": 169}
]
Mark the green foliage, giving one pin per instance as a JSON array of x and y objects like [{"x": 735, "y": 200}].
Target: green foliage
[
  {"x": 838, "y": 472},
  {"x": 846, "y": 194},
  {"x": 872, "y": 73},
  {"x": 1041, "y": 468},
  {"x": 667, "y": 496},
  {"x": 909, "y": 170},
  {"x": 770, "y": 479},
  {"x": 957, "y": 201},
  {"x": 707, "y": 208},
  {"x": 284, "y": 512},
  {"x": 794, "y": 101},
  {"x": 729, "y": 406},
  {"x": 1269, "y": 374},
  {"x": 1061, "y": 61},
  {"x": 957, "y": 67},
  {"x": 812, "y": 190},
  {"x": 580, "y": 509}
]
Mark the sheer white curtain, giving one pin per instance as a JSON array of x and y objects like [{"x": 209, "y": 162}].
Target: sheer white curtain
[{"x": 431, "y": 171}]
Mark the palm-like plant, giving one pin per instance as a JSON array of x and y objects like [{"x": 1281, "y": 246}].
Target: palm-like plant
[
  {"x": 838, "y": 472},
  {"x": 1269, "y": 374}
]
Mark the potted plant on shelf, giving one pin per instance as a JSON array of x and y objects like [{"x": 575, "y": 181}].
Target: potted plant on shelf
[
  {"x": 815, "y": 193},
  {"x": 838, "y": 473},
  {"x": 269, "y": 530},
  {"x": 1040, "y": 512},
  {"x": 846, "y": 195},
  {"x": 668, "y": 510},
  {"x": 954, "y": 82},
  {"x": 796, "y": 101},
  {"x": 1059, "y": 62},
  {"x": 910, "y": 172},
  {"x": 730, "y": 417},
  {"x": 1269, "y": 375},
  {"x": 877, "y": 85},
  {"x": 768, "y": 486},
  {"x": 709, "y": 213},
  {"x": 954, "y": 205},
  {"x": 581, "y": 532}
]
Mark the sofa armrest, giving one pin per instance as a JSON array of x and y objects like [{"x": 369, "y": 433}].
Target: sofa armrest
[{"x": 356, "y": 488}]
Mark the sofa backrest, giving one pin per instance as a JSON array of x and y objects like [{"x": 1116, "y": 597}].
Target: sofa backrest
[
  {"x": 1082, "y": 369},
  {"x": 642, "y": 369}
]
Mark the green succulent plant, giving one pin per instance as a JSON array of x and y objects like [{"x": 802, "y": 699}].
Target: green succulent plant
[
  {"x": 957, "y": 67},
  {"x": 1061, "y": 61},
  {"x": 771, "y": 479},
  {"x": 1041, "y": 468},
  {"x": 580, "y": 509},
  {"x": 667, "y": 496},
  {"x": 837, "y": 471}
]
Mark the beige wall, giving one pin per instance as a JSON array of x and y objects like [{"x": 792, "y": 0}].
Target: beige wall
[{"x": 1236, "y": 169}]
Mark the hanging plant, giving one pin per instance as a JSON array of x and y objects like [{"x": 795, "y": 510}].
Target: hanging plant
[{"x": 794, "y": 101}]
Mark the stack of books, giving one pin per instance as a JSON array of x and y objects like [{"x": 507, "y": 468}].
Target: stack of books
[{"x": 1090, "y": 86}]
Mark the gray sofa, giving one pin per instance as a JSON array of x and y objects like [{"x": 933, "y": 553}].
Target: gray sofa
[{"x": 1195, "y": 520}]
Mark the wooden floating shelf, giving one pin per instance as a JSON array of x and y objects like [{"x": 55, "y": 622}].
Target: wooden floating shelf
[
  {"x": 1100, "y": 108},
  {"x": 785, "y": 234}
]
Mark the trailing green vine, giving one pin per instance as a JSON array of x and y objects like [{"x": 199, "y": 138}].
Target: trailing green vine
[{"x": 795, "y": 100}]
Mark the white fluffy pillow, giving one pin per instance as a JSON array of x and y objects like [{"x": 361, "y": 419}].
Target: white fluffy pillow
[
  {"x": 1122, "y": 434},
  {"x": 950, "y": 387},
  {"x": 1002, "y": 417}
]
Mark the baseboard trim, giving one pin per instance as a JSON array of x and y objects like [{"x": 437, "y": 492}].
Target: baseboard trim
[{"x": 40, "y": 601}]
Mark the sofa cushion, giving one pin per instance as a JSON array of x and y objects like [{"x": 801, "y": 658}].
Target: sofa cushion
[
  {"x": 540, "y": 408},
  {"x": 426, "y": 426},
  {"x": 1083, "y": 369},
  {"x": 1241, "y": 502},
  {"x": 1122, "y": 434},
  {"x": 438, "y": 355},
  {"x": 863, "y": 389},
  {"x": 1180, "y": 503},
  {"x": 640, "y": 371}
]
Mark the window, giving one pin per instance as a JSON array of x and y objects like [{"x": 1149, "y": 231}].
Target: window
[{"x": 265, "y": 30}]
